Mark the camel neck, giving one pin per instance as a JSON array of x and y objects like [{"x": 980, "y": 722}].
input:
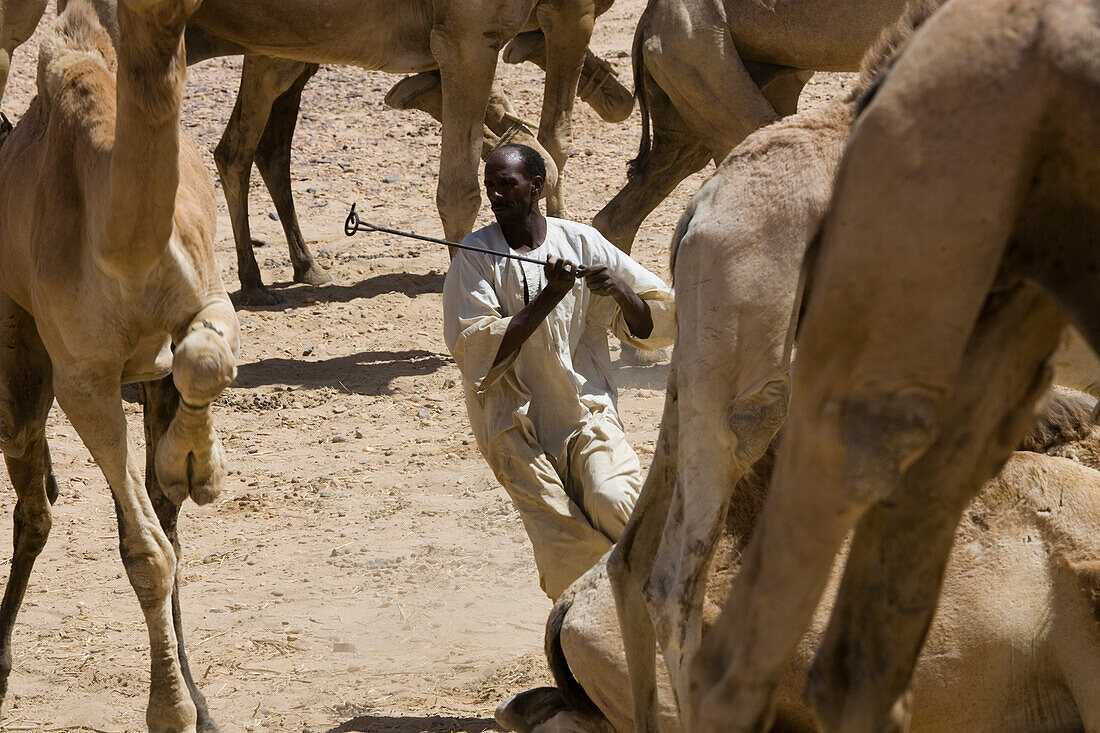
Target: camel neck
[{"x": 145, "y": 158}]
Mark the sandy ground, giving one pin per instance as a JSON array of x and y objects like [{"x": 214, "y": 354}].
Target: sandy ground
[{"x": 362, "y": 571}]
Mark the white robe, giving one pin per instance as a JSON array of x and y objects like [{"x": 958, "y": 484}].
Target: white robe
[{"x": 527, "y": 411}]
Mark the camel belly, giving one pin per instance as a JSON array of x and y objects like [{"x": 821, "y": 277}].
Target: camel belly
[{"x": 387, "y": 35}]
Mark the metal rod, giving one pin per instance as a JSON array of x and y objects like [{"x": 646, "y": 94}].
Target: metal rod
[{"x": 354, "y": 224}]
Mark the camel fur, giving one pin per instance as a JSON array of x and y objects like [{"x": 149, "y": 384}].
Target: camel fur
[
  {"x": 958, "y": 244},
  {"x": 108, "y": 276},
  {"x": 1014, "y": 644},
  {"x": 707, "y": 73}
]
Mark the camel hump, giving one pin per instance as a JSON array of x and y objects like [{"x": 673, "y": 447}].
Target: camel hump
[{"x": 75, "y": 37}]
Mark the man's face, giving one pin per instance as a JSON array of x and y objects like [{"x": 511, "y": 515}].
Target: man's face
[{"x": 511, "y": 193}]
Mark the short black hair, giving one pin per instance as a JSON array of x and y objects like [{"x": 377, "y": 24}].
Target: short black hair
[{"x": 533, "y": 164}]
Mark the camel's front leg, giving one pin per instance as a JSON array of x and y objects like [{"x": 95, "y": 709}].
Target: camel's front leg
[
  {"x": 901, "y": 546},
  {"x": 160, "y": 401},
  {"x": 631, "y": 560},
  {"x": 190, "y": 460},
  {"x": 93, "y": 403},
  {"x": 466, "y": 68},
  {"x": 568, "y": 28}
]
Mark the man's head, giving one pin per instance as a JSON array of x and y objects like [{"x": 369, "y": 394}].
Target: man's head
[{"x": 514, "y": 177}]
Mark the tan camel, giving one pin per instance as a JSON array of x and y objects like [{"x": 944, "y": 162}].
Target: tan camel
[
  {"x": 1014, "y": 645},
  {"x": 956, "y": 246},
  {"x": 460, "y": 40},
  {"x": 737, "y": 258},
  {"x": 702, "y": 93},
  {"x": 122, "y": 287}
]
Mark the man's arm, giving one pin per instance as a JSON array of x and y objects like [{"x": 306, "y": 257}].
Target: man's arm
[
  {"x": 601, "y": 280},
  {"x": 560, "y": 276}
]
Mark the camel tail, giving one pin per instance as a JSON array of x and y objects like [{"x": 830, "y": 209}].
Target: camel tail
[
  {"x": 678, "y": 237},
  {"x": 571, "y": 690},
  {"x": 640, "y": 164},
  {"x": 76, "y": 51}
]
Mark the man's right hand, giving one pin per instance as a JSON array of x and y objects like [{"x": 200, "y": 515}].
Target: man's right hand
[{"x": 560, "y": 274}]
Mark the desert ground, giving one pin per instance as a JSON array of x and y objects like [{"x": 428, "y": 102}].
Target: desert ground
[{"x": 363, "y": 571}]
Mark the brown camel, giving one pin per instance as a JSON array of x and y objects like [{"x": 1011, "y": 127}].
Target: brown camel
[
  {"x": 955, "y": 249},
  {"x": 460, "y": 40},
  {"x": 738, "y": 252},
  {"x": 1013, "y": 648},
  {"x": 707, "y": 73},
  {"x": 123, "y": 288}
]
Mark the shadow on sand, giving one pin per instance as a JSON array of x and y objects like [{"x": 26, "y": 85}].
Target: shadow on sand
[
  {"x": 415, "y": 724},
  {"x": 295, "y": 295},
  {"x": 365, "y": 373}
]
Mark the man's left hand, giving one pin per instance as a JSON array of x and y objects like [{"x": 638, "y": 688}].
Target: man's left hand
[{"x": 602, "y": 281}]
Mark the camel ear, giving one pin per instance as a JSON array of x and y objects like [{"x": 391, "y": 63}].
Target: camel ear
[{"x": 1088, "y": 580}]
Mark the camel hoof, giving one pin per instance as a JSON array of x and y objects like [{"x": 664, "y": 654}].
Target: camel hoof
[
  {"x": 406, "y": 93},
  {"x": 313, "y": 275},
  {"x": 631, "y": 356},
  {"x": 524, "y": 712},
  {"x": 612, "y": 102},
  {"x": 255, "y": 296}
]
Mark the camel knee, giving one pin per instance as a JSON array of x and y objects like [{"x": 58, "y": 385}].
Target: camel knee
[
  {"x": 882, "y": 435},
  {"x": 32, "y": 528},
  {"x": 458, "y": 205},
  {"x": 152, "y": 572},
  {"x": 203, "y": 365},
  {"x": 756, "y": 415}
]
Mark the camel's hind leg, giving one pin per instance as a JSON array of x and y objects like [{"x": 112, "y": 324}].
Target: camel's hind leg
[
  {"x": 160, "y": 401},
  {"x": 631, "y": 560},
  {"x": 26, "y": 393},
  {"x": 273, "y": 161},
  {"x": 901, "y": 546},
  {"x": 263, "y": 80}
]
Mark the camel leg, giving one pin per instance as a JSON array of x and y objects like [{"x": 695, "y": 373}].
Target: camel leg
[
  {"x": 273, "y": 161},
  {"x": 263, "y": 80},
  {"x": 503, "y": 124},
  {"x": 25, "y": 398},
  {"x": 466, "y": 68},
  {"x": 901, "y": 546},
  {"x": 568, "y": 28},
  {"x": 599, "y": 85},
  {"x": 93, "y": 404},
  {"x": 630, "y": 562},
  {"x": 674, "y": 153},
  {"x": 160, "y": 401},
  {"x": 190, "y": 460}
]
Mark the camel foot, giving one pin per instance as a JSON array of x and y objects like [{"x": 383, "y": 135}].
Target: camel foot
[
  {"x": 206, "y": 724},
  {"x": 259, "y": 295},
  {"x": 312, "y": 275},
  {"x": 636, "y": 357}
]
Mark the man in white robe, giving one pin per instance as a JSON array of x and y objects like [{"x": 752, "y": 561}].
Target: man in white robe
[{"x": 531, "y": 343}]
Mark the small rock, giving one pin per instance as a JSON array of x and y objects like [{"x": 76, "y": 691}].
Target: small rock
[
  {"x": 324, "y": 253},
  {"x": 392, "y": 178},
  {"x": 448, "y": 383},
  {"x": 645, "y": 393},
  {"x": 358, "y": 433},
  {"x": 311, "y": 190},
  {"x": 343, "y": 647},
  {"x": 277, "y": 593},
  {"x": 273, "y": 216},
  {"x": 209, "y": 559},
  {"x": 308, "y": 350},
  {"x": 589, "y": 151},
  {"x": 423, "y": 414},
  {"x": 338, "y": 438}
]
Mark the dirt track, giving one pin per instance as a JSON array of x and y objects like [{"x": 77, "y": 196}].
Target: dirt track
[{"x": 363, "y": 571}]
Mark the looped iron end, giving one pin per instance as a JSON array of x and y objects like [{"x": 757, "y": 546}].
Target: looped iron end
[{"x": 351, "y": 224}]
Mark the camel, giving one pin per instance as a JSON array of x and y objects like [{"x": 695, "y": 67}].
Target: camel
[
  {"x": 920, "y": 362},
  {"x": 123, "y": 288},
  {"x": 703, "y": 92},
  {"x": 459, "y": 42},
  {"x": 737, "y": 256},
  {"x": 1015, "y": 632}
]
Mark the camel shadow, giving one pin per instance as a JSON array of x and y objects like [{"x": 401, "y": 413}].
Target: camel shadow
[
  {"x": 415, "y": 724},
  {"x": 365, "y": 373},
  {"x": 296, "y": 295}
]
